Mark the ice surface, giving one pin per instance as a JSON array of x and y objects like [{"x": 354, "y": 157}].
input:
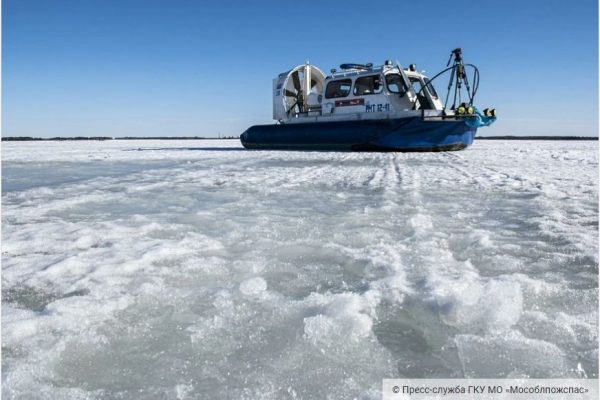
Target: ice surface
[{"x": 197, "y": 269}]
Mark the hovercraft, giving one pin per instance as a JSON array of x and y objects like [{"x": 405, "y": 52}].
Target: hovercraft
[{"x": 367, "y": 108}]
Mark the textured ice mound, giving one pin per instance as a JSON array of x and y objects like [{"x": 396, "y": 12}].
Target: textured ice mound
[
  {"x": 345, "y": 316},
  {"x": 495, "y": 305},
  {"x": 253, "y": 286}
]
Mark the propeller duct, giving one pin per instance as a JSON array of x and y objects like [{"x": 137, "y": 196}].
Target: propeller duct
[{"x": 298, "y": 85}]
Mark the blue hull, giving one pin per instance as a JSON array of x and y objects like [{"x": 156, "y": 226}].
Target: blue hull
[{"x": 401, "y": 134}]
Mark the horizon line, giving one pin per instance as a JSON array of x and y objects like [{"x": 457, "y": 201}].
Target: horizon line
[{"x": 102, "y": 138}]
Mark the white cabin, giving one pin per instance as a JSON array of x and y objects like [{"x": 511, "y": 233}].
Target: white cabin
[{"x": 305, "y": 94}]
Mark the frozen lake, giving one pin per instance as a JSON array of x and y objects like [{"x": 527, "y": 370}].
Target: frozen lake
[{"x": 197, "y": 269}]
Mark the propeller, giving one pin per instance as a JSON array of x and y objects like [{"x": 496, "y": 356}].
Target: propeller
[
  {"x": 296, "y": 80},
  {"x": 298, "y": 95},
  {"x": 292, "y": 107}
]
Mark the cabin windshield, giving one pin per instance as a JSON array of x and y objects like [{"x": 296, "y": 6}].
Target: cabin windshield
[
  {"x": 395, "y": 83},
  {"x": 418, "y": 86},
  {"x": 430, "y": 88},
  {"x": 421, "y": 95}
]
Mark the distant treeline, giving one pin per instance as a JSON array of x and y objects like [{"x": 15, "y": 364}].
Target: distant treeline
[
  {"x": 28, "y": 138},
  {"x": 537, "y": 137}
]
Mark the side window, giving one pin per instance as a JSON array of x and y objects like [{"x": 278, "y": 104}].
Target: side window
[
  {"x": 395, "y": 83},
  {"x": 368, "y": 85},
  {"x": 339, "y": 88}
]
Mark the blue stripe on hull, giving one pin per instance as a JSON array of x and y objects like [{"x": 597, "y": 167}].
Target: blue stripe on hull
[{"x": 401, "y": 134}]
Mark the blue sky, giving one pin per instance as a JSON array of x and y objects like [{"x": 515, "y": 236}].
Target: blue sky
[{"x": 186, "y": 68}]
